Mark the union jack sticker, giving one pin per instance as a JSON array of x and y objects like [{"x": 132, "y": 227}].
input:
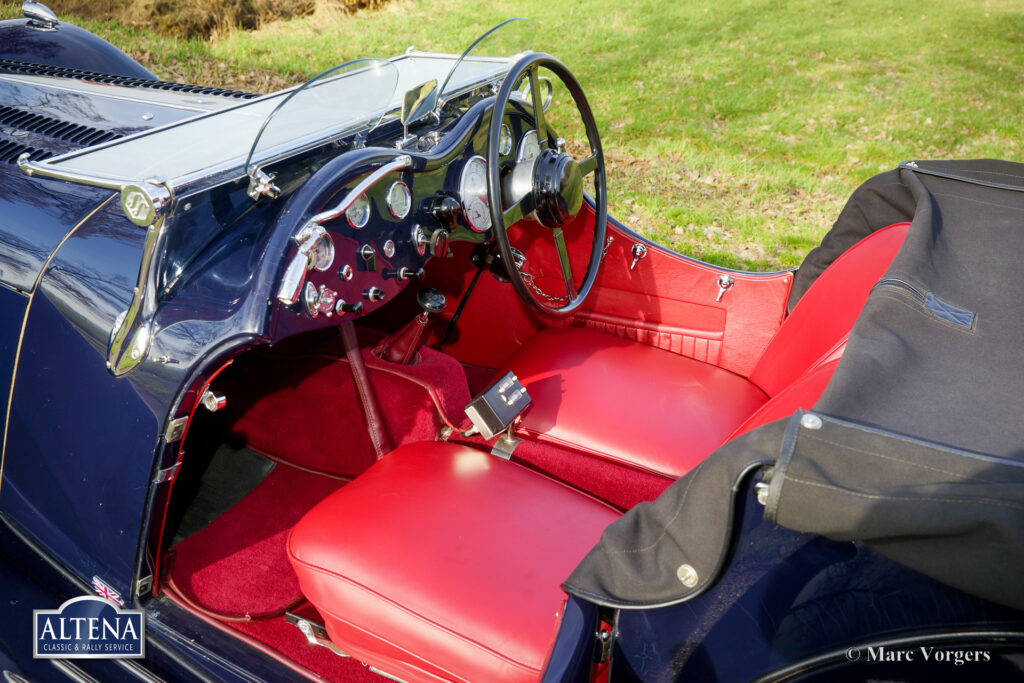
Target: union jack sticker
[{"x": 105, "y": 591}]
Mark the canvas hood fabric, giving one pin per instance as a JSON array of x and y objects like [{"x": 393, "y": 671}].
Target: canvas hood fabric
[{"x": 917, "y": 445}]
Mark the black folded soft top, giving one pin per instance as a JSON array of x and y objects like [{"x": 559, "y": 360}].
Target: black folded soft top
[{"x": 917, "y": 445}]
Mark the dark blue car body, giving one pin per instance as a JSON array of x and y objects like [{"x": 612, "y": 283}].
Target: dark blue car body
[{"x": 85, "y": 452}]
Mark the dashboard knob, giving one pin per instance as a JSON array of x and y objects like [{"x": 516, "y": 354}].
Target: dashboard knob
[
  {"x": 445, "y": 210},
  {"x": 373, "y": 294},
  {"x": 439, "y": 243}
]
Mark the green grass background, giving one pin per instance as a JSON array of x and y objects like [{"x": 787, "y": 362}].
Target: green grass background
[{"x": 734, "y": 130}]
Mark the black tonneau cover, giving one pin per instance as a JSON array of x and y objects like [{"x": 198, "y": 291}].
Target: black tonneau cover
[{"x": 917, "y": 445}]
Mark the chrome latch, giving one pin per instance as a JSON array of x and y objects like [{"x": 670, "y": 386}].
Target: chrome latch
[
  {"x": 725, "y": 283},
  {"x": 639, "y": 252},
  {"x": 261, "y": 184}
]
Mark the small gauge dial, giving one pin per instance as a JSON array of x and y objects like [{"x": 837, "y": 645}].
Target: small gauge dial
[
  {"x": 473, "y": 191},
  {"x": 529, "y": 146},
  {"x": 321, "y": 254},
  {"x": 359, "y": 213},
  {"x": 399, "y": 200},
  {"x": 505, "y": 141}
]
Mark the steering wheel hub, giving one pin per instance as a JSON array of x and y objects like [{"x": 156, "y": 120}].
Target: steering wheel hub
[{"x": 558, "y": 188}]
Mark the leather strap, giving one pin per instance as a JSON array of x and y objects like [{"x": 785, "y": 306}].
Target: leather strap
[{"x": 374, "y": 423}]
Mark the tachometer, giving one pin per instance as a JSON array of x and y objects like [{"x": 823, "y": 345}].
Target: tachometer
[
  {"x": 529, "y": 146},
  {"x": 473, "y": 191}
]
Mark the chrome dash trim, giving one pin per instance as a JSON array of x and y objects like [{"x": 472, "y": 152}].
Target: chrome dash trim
[{"x": 399, "y": 163}]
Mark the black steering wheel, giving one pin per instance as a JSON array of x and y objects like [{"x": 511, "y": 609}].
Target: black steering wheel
[{"x": 548, "y": 187}]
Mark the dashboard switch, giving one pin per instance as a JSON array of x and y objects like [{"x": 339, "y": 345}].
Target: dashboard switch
[
  {"x": 373, "y": 294},
  {"x": 341, "y": 307},
  {"x": 369, "y": 256},
  {"x": 404, "y": 273}
]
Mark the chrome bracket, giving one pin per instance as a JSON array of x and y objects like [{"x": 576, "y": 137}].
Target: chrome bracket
[
  {"x": 144, "y": 585},
  {"x": 261, "y": 184},
  {"x": 315, "y": 633},
  {"x": 506, "y": 444},
  {"x": 132, "y": 335}
]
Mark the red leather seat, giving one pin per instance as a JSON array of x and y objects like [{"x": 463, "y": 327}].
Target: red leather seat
[
  {"x": 444, "y": 562},
  {"x": 658, "y": 411}
]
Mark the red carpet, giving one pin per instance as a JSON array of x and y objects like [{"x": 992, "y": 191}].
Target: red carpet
[{"x": 237, "y": 565}]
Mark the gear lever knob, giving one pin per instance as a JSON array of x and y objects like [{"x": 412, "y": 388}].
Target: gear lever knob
[{"x": 431, "y": 300}]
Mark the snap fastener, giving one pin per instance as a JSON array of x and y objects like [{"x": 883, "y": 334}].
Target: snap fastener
[
  {"x": 687, "y": 575},
  {"x": 810, "y": 421}
]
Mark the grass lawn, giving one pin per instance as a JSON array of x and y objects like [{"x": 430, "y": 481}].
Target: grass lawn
[{"x": 734, "y": 130}]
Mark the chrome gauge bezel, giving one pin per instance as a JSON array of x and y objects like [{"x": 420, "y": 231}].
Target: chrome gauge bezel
[
  {"x": 465, "y": 200},
  {"x": 311, "y": 299},
  {"x": 361, "y": 200},
  {"x": 521, "y": 151},
  {"x": 505, "y": 140},
  {"x": 399, "y": 186}
]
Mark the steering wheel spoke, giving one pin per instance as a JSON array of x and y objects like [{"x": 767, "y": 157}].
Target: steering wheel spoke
[
  {"x": 515, "y": 213},
  {"x": 543, "y": 131},
  {"x": 563, "y": 261},
  {"x": 588, "y": 165}
]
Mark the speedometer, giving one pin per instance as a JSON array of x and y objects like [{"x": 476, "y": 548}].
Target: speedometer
[{"x": 473, "y": 191}]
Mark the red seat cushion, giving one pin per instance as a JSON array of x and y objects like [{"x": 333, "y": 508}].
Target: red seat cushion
[
  {"x": 444, "y": 561},
  {"x": 650, "y": 409},
  {"x": 628, "y": 402}
]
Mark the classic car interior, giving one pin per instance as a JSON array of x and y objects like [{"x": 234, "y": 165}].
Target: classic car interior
[{"x": 435, "y": 238}]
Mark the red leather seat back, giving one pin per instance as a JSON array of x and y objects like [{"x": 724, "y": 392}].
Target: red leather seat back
[
  {"x": 826, "y": 312},
  {"x": 800, "y": 395}
]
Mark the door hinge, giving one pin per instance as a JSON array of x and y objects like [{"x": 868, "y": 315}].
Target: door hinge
[
  {"x": 167, "y": 474},
  {"x": 175, "y": 429},
  {"x": 144, "y": 586}
]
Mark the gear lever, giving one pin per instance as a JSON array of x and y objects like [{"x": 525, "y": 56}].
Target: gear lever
[{"x": 403, "y": 347}]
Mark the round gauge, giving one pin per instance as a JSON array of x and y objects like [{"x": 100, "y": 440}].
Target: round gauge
[
  {"x": 359, "y": 213},
  {"x": 399, "y": 200},
  {"x": 529, "y": 146},
  {"x": 473, "y": 190},
  {"x": 321, "y": 254},
  {"x": 311, "y": 299},
  {"x": 505, "y": 140}
]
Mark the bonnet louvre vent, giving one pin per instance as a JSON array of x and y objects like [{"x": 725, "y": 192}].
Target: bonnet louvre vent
[
  {"x": 10, "y": 151},
  {"x": 22, "y": 120},
  {"x": 28, "y": 68}
]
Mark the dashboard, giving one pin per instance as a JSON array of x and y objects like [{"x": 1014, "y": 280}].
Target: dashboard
[{"x": 364, "y": 256}]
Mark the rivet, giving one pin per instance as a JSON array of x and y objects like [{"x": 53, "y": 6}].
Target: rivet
[
  {"x": 687, "y": 575},
  {"x": 810, "y": 421},
  {"x": 147, "y": 116}
]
